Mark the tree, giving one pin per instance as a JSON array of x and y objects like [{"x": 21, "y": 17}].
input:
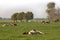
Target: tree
[
  {"x": 51, "y": 10},
  {"x": 29, "y": 16},
  {"x": 21, "y": 16},
  {"x": 14, "y": 17},
  {"x": 51, "y": 5},
  {"x": 0, "y": 18},
  {"x": 58, "y": 12}
]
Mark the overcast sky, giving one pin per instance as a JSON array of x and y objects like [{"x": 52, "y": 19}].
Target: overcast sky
[{"x": 38, "y": 7}]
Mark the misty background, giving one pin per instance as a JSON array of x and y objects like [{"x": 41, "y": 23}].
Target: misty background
[{"x": 38, "y": 7}]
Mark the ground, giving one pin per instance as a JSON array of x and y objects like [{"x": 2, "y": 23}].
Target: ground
[{"x": 52, "y": 31}]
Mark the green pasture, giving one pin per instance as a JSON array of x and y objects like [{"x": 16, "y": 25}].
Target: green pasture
[{"x": 52, "y": 31}]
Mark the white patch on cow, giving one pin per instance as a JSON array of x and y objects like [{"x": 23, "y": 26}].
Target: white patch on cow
[
  {"x": 29, "y": 21},
  {"x": 3, "y": 25},
  {"x": 35, "y": 32}
]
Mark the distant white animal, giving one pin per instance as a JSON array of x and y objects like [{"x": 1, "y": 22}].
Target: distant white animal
[{"x": 5, "y": 25}]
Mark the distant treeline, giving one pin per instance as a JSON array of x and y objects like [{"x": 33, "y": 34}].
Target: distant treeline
[{"x": 5, "y": 18}]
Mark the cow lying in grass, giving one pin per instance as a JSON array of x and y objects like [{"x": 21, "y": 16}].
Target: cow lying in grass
[
  {"x": 57, "y": 20},
  {"x": 5, "y": 25},
  {"x": 14, "y": 24},
  {"x": 45, "y": 22},
  {"x": 33, "y": 32}
]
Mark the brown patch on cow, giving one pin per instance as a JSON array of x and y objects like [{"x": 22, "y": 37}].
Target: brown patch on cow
[
  {"x": 48, "y": 22},
  {"x": 43, "y": 22},
  {"x": 25, "y": 32}
]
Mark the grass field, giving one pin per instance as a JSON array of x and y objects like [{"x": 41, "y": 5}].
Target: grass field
[{"x": 52, "y": 31}]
